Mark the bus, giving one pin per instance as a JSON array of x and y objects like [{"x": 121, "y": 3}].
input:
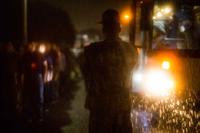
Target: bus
[{"x": 166, "y": 80}]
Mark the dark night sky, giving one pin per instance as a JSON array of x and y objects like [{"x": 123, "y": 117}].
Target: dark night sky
[{"x": 85, "y": 13}]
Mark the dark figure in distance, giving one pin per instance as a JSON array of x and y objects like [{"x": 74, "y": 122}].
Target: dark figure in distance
[
  {"x": 32, "y": 70},
  {"x": 107, "y": 70},
  {"x": 8, "y": 82}
]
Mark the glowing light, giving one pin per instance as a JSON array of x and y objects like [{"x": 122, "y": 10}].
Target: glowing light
[
  {"x": 166, "y": 65},
  {"x": 167, "y": 10},
  {"x": 182, "y": 28},
  {"x": 158, "y": 83},
  {"x": 164, "y": 13},
  {"x": 126, "y": 16},
  {"x": 85, "y": 37},
  {"x": 159, "y": 14},
  {"x": 137, "y": 77},
  {"x": 42, "y": 48},
  {"x": 49, "y": 76}
]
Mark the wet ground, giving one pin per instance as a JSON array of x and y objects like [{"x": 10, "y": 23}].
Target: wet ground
[{"x": 66, "y": 115}]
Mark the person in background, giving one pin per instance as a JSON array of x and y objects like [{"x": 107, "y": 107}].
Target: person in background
[{"x": 32, "y": 72}]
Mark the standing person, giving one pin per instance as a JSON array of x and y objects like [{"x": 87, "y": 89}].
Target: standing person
[
  {"x": 107, "y": 70},
  {"x": 32, "y": 70}
]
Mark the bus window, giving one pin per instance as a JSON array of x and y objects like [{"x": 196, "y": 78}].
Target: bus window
[{"x": 176, "y": 28}]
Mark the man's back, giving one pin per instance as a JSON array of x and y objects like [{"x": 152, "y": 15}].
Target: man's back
[{"x": 109, "y": 67}]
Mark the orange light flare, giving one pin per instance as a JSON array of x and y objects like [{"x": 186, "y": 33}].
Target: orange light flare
[
  {"x": 126, "y": 16},
  {"x": 166, "y": 65},
  {"x": 169, "y": 62},
  {"x": 164, "y": 60}
]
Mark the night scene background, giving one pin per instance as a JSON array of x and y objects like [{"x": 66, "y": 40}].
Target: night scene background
[{"x": 58, "y": 30}]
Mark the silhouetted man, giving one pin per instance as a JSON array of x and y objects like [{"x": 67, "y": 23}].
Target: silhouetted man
[{"x": 107, "y": 71}]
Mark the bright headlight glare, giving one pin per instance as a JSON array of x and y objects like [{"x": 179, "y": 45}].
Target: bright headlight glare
[
  {"x": 158, "y": 83},
  {"x": 137, "y": 77},
  {"x": 166, "y": 65}
]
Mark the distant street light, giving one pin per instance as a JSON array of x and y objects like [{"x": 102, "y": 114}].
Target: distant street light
[{"x": 126, "y": 16}]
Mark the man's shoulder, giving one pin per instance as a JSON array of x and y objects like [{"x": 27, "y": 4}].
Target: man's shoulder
[{"x": 128, "y": 46}]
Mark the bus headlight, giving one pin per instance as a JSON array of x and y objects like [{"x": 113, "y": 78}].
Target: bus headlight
[
  {"x": 158, "y": 83},
  {"x": 166, "y": 65},
  {"x": 137, "y": 77}
]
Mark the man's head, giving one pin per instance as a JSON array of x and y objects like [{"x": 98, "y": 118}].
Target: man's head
[{"x": 111, "y": 22}]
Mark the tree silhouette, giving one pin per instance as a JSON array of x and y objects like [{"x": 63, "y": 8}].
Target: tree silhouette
[{"x": 47, "y": 23}]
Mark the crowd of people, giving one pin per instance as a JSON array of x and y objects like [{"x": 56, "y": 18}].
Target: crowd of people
[{"x": 30, "y": 82}]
